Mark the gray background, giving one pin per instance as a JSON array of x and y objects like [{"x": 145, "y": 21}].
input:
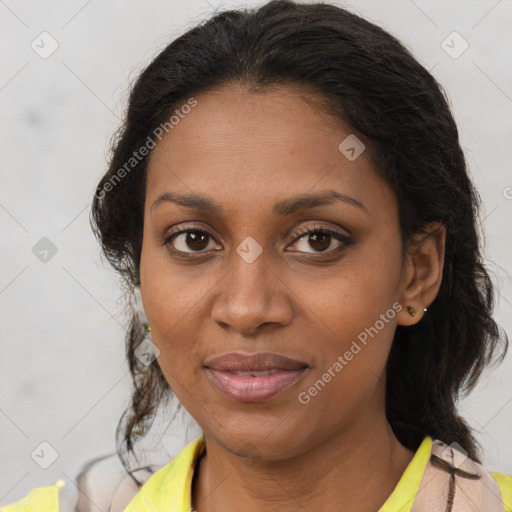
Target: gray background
[{"x": 63, "y": 378}]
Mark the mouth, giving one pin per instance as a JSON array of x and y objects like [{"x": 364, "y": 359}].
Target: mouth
[{"x": 253, "y": 378}]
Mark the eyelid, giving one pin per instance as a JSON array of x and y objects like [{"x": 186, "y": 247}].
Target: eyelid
[
  {"x": 315, "y": 228},
  {"x": 181, "y": 228}
]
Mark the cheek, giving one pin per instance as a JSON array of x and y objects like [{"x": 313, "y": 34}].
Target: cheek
[
  {"x": 169, "y": 301},
  {"x": 170, "y": 293},
  {"x": 355, "y": 318},
  {"x": 363, "y": 287},
  {"x": 354, "y": 350}
]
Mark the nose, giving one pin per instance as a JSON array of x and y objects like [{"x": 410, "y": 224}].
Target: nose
[{"x": 251, "y": 295}]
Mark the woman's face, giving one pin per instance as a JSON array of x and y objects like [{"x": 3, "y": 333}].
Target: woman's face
[{"x": 244, "y": 276}]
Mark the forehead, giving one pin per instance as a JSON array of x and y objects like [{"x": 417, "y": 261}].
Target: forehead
[{"x": 240, "y": 146}]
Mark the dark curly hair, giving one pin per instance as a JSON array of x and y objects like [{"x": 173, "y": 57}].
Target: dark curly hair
[{"x": 369, "y": 80}]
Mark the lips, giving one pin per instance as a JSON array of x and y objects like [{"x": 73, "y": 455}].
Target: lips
[
  {"x": 262, "y": 361},
  {"x": 255, "y": 377}
]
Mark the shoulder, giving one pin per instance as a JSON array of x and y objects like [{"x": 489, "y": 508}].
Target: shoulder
[
  {"x": 38, "y": 499},
  {"x": 101, "y": 484},
  {"x": 451, "y": 476},
  {"x": 504, "y": 482}
]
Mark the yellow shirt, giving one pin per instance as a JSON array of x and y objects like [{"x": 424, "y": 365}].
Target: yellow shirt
[{"x": 169, "y": 489}]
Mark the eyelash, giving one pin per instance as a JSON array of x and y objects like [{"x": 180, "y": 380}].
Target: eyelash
[{"x": 344, "y": 240}]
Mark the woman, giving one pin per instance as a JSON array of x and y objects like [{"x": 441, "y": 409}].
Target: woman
[{"x": 289, "y": 198}]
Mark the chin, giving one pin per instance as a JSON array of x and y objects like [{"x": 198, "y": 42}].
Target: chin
[{"x": 258, "y": 444}]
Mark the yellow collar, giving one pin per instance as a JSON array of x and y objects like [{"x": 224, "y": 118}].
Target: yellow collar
[
  {"x": 170, "y": 487},
  {"x": 403, "y": 495}
]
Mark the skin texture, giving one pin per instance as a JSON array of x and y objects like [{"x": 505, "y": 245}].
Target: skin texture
[{"x": 300, "y": 298}]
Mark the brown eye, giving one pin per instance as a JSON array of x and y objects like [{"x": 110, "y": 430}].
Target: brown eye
[
  {"x": 320, "y": 240},
  {"x": 196, "y": 240},
  {"x": 189, "y": 241}
]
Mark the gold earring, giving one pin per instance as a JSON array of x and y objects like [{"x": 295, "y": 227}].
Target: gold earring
[{"x": 412, "y": 311}]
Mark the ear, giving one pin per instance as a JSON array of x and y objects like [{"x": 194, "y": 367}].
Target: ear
[{"x": 422, "y": 272}]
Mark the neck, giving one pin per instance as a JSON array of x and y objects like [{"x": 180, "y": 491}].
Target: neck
[{"x": 354, "y": 471}]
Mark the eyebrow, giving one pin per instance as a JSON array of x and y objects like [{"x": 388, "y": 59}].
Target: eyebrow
[{"x": 281, "y": 208}]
